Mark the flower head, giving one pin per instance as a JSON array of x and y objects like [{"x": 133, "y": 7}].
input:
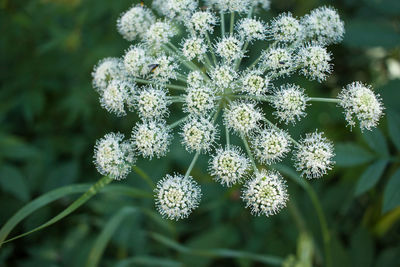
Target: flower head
[
  {"x": 134, "y": 22},
  {"x": 253, "y": 83},
  {"x": 242, "y": 117},
  {"x": 229, "y": 165},
  {"x": 195, "y": 79},
  {"x": 199, "y": 134},
  {"x": 202, "y": 22},
  {"x": 265, "y": 193},
  {"x": 223, "y": 76},
  {"x": 324, "y": 25},
  {"x": 177, "y": 196},
  {"x": 152, "y": 138},
  {"x": 179, "y": 9},
  {"x": 251, "y": 29},
  {"x": 115, "y": 96},
  {"x": 229, "y": 48},
  {"x": 113, "y": 156},
  {"x": 136, "y": 61},
  {"x": 239, "y": 6},
  {"x": 107, "y": 70},
  {"x": 360, "y": 102},
  {"x": 278, "y": 61},
  {"x": 194, "y": 47},
  {"x": 314, "y": 61},
  {"x": 270, "y": 145},
  {"x": 166, "y": 69},
  {"x": 152, "y": 102},
  {"x": 285, "y": 28},
  {"x": 314, "y": 155},
  {"x": 290, "y": 103},
  {"x": 159, "y": 33},
  {"x": 200, "y": 100}
]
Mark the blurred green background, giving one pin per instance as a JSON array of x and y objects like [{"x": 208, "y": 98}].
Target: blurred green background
[{"x": 50, "y": 118}]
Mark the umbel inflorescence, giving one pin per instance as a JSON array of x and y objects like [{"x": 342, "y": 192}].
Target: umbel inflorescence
[{"x": 192, "y": 57}]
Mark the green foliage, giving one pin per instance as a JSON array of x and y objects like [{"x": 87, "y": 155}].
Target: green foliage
[{"x": 50, "y": 119}]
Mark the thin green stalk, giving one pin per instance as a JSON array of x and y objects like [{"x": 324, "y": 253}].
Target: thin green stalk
[
  {"x": 255, "y": 62},
  {"x": 196, "y": 156},
  {"x": 222, "y": 24},
  {"x": 246, "y": 145},
  {"x": 258, "y": 98},
  {"x": 239, "y": 60},
  {"x": 322, "y": 99},
  {"x": 144, "y": 176},
  {"x": 250, "y": 12},
  {"x": 176, "y": 123},
  {"x": 170, "y": 86},
  {"x": 228, "y": 141},
  {"x": 207, "y": 62},
  {"x": 232, "y": 23},
  {"x": 211, "y": 49},
  {"x": 185, "y": 62}
]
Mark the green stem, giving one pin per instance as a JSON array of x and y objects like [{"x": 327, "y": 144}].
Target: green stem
[
  {"x": 211, "y": 48},
  {"x": 258, "y": 98},
  {"x": 228, "y": 142},
  {"x": 232, "y": 23},
  {"x": 170, "y": 86},
  {"x": 239, "y": 60},
  {"x": 222, "y": 25},
  {"x": 196, "y": 156},
  {"x": 144, "y": 176},
  {"x": 322, "y": 99},
  {"x": 173, "y": 125},
  {"x": 246, "y": 145}
]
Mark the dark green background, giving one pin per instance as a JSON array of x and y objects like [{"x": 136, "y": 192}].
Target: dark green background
[{"x": 50, "y": 118}]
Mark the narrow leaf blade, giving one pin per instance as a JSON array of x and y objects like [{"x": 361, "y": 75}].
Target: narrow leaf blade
[
  {"x": 370, "y": 177},
  {"x": 391, "y": 195}
]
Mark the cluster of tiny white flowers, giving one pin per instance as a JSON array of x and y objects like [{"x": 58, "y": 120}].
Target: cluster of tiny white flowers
[
  {"x": 177, "y": 196},
  {"x": 210, "y": 71},
  {"x": 360, "y": 102}
]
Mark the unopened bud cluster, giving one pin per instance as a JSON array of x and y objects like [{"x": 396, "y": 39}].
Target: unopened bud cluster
[{"x": 200, "y": 69}]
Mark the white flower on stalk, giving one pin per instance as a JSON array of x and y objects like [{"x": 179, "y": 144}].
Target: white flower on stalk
[
  {"x": 270, "y": 145},
  {"x": 159, "y": 33},
  {"x": 202, "y": 22},
  {"x": 251, "y": 29},
  {"x": 265, "y": 193},
  {"x": 324, "y": 25},
  {"x": 136, "y": 61},
  {"x": 195, "y": 79},
  {"x": 177, "y": 196},
  {"x": 115, "y": 96},
  {"x": 223, "y": 76},
  {"x": 229, "y": 165},
  {"x": 314, "y": 155},
  {"x": 199, "y": 134},
  {"x": 360, "y": 102},
  {"x": 229, "y": 48},
  {"x": 314, "y": 62},
  {"x": 285, "y": 28},
  {"x": 239, "y": 6},
  {"x": 152, "y": 138},
  {"x": 289, "y": 102},
  {"x": 175, "y": 9},
  {"x": 113, "y": 156},
  {"x": 166, "y": 69},
  {"x": 253, "y": 83},
  {"x": 133, "y": 23},
  {"x": 152, "y": 102},
  {"x": 242, "y": 117},
  {"x": 278, "y": 61},
  {"x": 194, "y": 47},
  {"x": 200, "y": 100},
  {"x": 107, "y": 70}
]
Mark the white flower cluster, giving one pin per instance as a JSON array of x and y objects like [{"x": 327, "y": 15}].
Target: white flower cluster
[{"x": 210, "y": 71}]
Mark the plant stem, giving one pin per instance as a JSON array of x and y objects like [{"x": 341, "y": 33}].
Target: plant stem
[
  {"x": 176, "y": 123},
  {"x": 237, "y": 63},
  {"x": 228, "y": 142},
  {"x": 144, "y": 176},
  {"x": 259, "y": 98},
  {"x": 322, "y": 99},
  {"x": 232, "y": 23},
  {"x": 222, "y": 24},
  {"x": 196, "y": 156},
  {"x": 246, "y": 145},
  {"x": 211, "y": 49},
  {"x": 171, "y": 86}
]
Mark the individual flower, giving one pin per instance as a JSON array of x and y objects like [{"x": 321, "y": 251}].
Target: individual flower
[
  {"x": 199, "y": 100},
  {"x": 360, "y": 102},
  {"x": 278, "y": 61},
  {"x": 285, "y": 28},
  {"x": 270, "y": 145},
  {"x": 114, "y": 156},
  {"x": 165, "y": 70},
  {"x": 324, "y": 25},
  {"x": 289, "y": 102},
  {"x": 223, "y": 76},
  {"x": 199, "y": 134},
  {"x": 229, "y": 48},
  {"x": 229, "y": 165},
  {"x": 265, "y": 193},
  {"x": 115, "y": 96},
  {"x": 253, "y": 83},
  {"x": 314, "y": 62},
  {"x": 177, "y": 196},
  {"x": 152, "y": 102},
  {"x": 202, "y": 22},
  {"x": 159, "y": 33},
  {"x": 107, "y": 70},
  {"x": 136, "y": 61},
  {"x": 242, "y": 117},
  {"x": 195, "y": 79},
  {"x": 152, "y": 138},
  {"x": 194, "y": 47},
  {"x": 251, "y": 29},
  {"x": 134, "y": 22},
  {"x": 314, "y": 155}
]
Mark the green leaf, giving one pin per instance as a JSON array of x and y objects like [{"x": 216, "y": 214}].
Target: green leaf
[
  {"x": 349, "y": 154},
  {"x": 391, "y": 195},
  {"x": 393, "y": 119},
  {"x": 362, "y": 248},
  {"x": 148, "y": 261},
  {"x": 106, "y": 234},
  {"x": 12, "y": 181},
  {"x": 376, "y": 141},
  {"x": 217, "y": 253},
  {"x": 370, "y": 176}
]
